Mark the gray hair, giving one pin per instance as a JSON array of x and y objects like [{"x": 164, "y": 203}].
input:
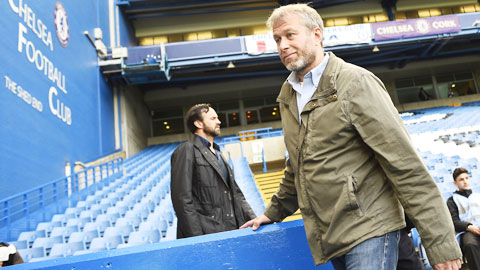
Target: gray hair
[{"x": 310, "y": 17}]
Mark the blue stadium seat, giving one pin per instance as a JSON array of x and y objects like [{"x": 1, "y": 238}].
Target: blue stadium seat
[
  {"x": 85, "y": 237},
  {"x": 97, "y": 209},
  {"x": 98, "y": 244},
  {"x": 114, "y": 240},
  {"x": 48, "y": 226},
  {"x": 134, "y": 217},
  {"x": 60, "y": 218},
  {"x": 30, "y": 253},
  {"x": 47, "y": 242},
  {"x": 64, "y": 231},
  {"x": 80, "y": 222},
  {"x": 144, "y": 237},
  {"x": 171, "y": 232},
  {"x": 65, "y": 249},
  {"x": 30, "y": 236},
  {"x": 22, "y": 244},
  {"x": 125, "y": 229},
  {"x": 74, "y": 210},
  {"x": 113, "y": 217}
]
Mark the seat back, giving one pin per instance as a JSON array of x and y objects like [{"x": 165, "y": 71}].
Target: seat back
[
  {"x": 147, "y": 237},
  {"x": 29, "y": 253},
  {"x": 98, "y": 244}
]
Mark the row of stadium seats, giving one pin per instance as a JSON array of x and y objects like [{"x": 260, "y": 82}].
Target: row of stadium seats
[{"x": 134, "y": 209}]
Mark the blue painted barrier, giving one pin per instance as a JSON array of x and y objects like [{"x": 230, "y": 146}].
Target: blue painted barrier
[{"x": 276, "y": 246}]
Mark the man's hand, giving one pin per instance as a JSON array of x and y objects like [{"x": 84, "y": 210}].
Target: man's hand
[
  {"x": 450, "y": 265},
  {"x": 256, "y": 222},
  {"x": 473, "y": 229}
]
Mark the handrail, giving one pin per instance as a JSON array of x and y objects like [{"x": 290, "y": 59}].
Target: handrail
[
  {"x": 267, "y": 132},
  {"x": 26, "y": 203}
]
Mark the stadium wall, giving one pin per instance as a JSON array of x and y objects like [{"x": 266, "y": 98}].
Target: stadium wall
[
  {"x": 55, "y": 106},
  {"x": 136, "y": 121},
  {"x": 277, "y": 246}
]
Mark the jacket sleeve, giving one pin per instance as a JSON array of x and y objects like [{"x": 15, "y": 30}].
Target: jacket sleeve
[
  {"x": 460, "y": 226},
  {"x": 182, "y": 163},
  {"x": 284, "y": 202},
  {"x": 376, "y": 120}
]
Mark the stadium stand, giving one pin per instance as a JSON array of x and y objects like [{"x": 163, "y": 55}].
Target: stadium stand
[
  {"x": 136, "y": 209},
  {"x": 132, "y": 210}
]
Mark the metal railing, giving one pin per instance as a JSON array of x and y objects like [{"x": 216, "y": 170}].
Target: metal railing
[
  {"x": 34, "y": 202},
  {"x": 253, "y": 134}
]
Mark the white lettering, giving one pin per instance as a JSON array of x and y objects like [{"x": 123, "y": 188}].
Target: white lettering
[
  {"x": 30, "y": 18},
  {"x": 30, "y": 47},
  {"x": 444, "y": 24},
  {"x": 42, "y": 63},
  {"x": 395, "y": 29},
  {"x": 39, "y": 60},
  {"x": 22, "y": 10},
  {"x": 11, "y": 85},
  {"x": 50, "y": 101},
  {"x": 37, "y": 25},
  {"x": 21, "y": 39},
  {"x": 59, "y": 109},
  {"x": 23, "y": 94},
  {"x": 13, "y": 6}
]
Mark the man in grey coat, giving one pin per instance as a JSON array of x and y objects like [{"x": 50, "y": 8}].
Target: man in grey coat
[{"x": 205, "y": 196}]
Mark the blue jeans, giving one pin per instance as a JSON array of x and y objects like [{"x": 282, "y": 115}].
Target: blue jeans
[{"x": 379, "y": 253}]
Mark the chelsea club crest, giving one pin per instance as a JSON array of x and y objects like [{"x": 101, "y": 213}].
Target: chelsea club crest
[{"x": 61, "y": 24}]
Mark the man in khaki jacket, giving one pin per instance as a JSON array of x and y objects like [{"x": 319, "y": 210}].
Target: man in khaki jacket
[{"x": 352, "y": 168}]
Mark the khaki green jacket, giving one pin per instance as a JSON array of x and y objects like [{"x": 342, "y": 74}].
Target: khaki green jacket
[{"x": 352, "y": 167}]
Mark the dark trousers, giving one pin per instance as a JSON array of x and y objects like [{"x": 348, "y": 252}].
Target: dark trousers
[
  {"x": 407, "y": 257},
  {"x": 471, "y": 250}
]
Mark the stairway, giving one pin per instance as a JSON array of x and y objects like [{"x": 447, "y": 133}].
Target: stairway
[{"x": 268, "y": 184}]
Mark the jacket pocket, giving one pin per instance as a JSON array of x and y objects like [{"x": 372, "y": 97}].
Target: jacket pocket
[{"x": 352, "y": 196}]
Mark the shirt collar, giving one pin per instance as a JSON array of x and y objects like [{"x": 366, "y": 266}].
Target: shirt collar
[
  {"x": 315, "y": 73},
  {"x": 207, "y": 143}
]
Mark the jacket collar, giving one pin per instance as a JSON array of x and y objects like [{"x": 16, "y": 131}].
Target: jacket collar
[
  {"x": 209, "y": 157},
  {"x": 207, "y": 143},
  {"x": 464, "y": 193}
]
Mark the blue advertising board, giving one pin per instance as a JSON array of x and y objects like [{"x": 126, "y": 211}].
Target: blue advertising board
[{"x": 55, "y": 106}]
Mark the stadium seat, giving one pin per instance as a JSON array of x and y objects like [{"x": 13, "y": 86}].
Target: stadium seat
[
  {"x": 47, "y": 242},
  {"x": 102, "y": 225},
  {"x": 80, "y": 222},
  {"x": 85, "y": 237},
  {"x": 171, "y": 232},
  {"x": 48, "y": 226},
  {"x": 125, "y": 229},
  {"x": 64, "y": 231},
  {"x": 22, "y": 244},
  {"x": 142, "y": 210},
  {"x": 30, "y": 236},
  {"x": 134, "y": 218},
  {"x": 113, "y": 217},
  {"x": 29, "y": 253},
  {"x": 60, "y": 218},
  {"x": 98, "y": 244},
  {"x": 65, "y": 249},
  {"x": 144, "y": 237},
  {"x": 74, "y": 210},
  {"x": 114, "y": 240}
]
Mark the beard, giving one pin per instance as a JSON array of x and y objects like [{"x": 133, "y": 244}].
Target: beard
[
  {"x": 305, "y": 59},
  {"x": 302, "y": 62},
  {"x": 214, "y": 132}
]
